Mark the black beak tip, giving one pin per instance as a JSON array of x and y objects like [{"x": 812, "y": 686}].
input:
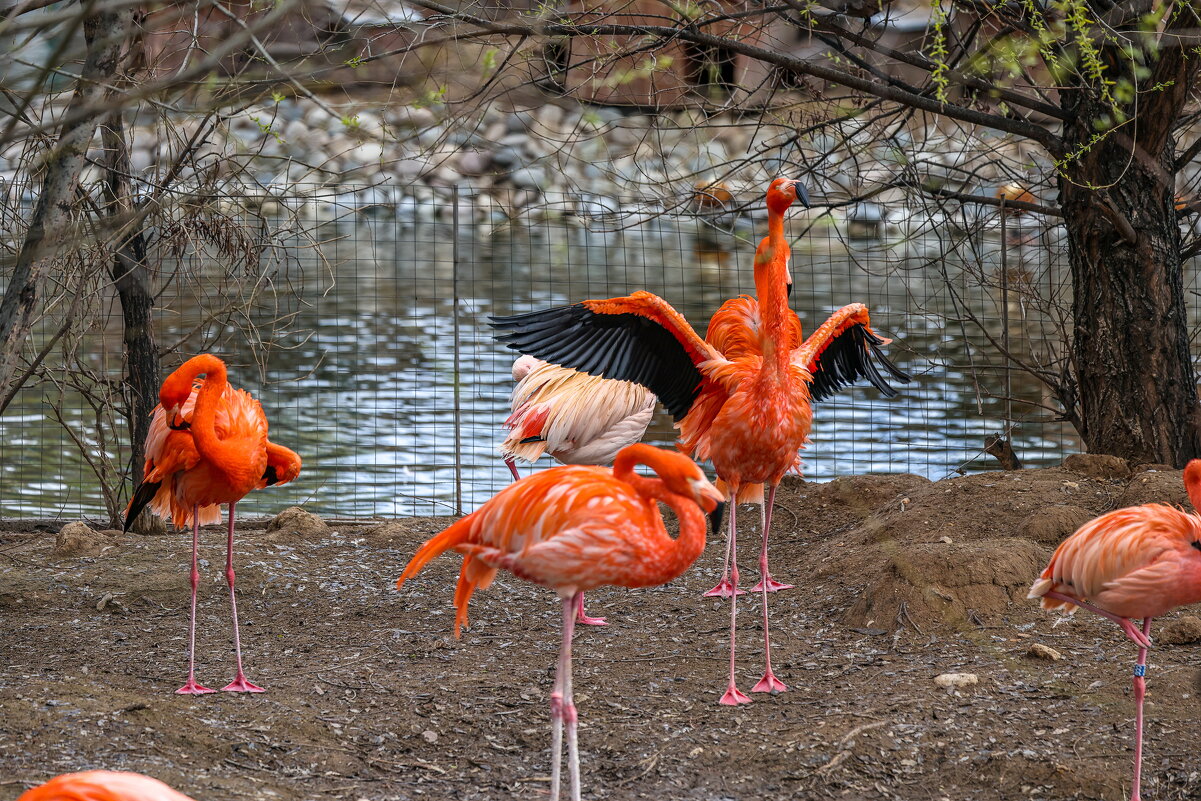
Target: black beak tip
[
  {"x": 802, "y": 194},
  {"x": 716, "y": 515}
]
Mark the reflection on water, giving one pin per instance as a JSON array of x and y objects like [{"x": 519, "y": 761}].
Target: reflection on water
[{"x": 357, "y": 358}]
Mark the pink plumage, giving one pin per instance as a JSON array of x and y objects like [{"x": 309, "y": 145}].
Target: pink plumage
[
  {"x": 1137, "y": 562},
  {"x": 103, "y": 785},
  {"x": 575, "y": 417}
]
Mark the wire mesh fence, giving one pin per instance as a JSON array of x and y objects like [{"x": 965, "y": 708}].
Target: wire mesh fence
[{"x": 358, "y": 316}]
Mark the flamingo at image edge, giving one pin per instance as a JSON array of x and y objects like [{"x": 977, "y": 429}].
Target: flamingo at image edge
[
  {"x": 102, "y": 785},
  {"x": 1137, "y": 562},
  {"x": 575, "y": 528},
  {"x": 575, "y": 417},
  {"x": 741, "y": 397},
  {"x": 207, "y": 446}
]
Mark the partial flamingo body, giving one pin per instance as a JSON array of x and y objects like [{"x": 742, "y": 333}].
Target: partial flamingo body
[
  {"x": 1139, "y": 562},
  {"x": 575, "y": 528},
  {"x": 207, "y": 445},
  {"x": 741, "y": 397},
  {"x": 575, "y": 417},
  {"x": 102, "y": 785}
]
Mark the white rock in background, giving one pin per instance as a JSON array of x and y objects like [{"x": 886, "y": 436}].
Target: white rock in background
[{"x": 954, "y": 681}]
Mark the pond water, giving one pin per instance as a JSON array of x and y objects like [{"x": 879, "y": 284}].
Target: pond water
[{"x": 366, "y": 340}]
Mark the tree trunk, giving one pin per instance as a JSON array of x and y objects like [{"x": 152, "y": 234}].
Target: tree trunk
[
  {"x": 131, "y": 277},
  {"x": 105, "y": 31},
  {"x": 1134, "y": 384}
]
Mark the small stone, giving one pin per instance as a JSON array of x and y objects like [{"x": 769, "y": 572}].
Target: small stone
[
  {"x": 1180, "y": 632},
  {"x": 1039, "y": 651},
  {"x": 953, "y": 681},
  {"x": 429, "y": 736}
]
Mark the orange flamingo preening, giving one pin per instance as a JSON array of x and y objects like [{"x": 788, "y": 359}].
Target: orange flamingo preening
[
  {"x": 1137, "y": 562},
  {"x": 575, "y": 528},
  {"x": 207, "y": 446},
  {"x": 102, "y": 785},
  {"x": 741, "y": 397},
  {"x": 575, "y": 417}
]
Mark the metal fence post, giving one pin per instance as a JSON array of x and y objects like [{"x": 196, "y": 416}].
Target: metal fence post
[{"x": 454, "y": 256}]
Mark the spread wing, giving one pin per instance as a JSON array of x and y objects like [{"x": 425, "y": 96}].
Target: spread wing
[
  {"x": 638, "y": 338},
  {"x": 845, "y": 349}
]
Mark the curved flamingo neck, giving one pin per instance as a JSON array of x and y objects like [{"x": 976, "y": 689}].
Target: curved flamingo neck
[
  {"x": 204, "y": 415},
  {"x": 691, "y": 540}
]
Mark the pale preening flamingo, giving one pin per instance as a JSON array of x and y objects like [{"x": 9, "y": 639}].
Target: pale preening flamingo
[
  {"x": 575, "y": 528},
  {"x": 102, "y": 785},
  {"x": 741, "y": 397},
  {"x": 207, "y": 446},
  {"x": 575, "y": 417},
  {"x": 1137, "y": 562}
]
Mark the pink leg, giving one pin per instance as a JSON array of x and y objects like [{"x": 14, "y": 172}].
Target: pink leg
[
  {"x": 765, "y": 579},
  {"x": 192, "y": 688},
  {"x": 583, "y": 618},
  {"x": 732, "y": 696},
  {"x": 769, "y": 683},
  {"x": 239, "y": 684},
  {"x": 512, "y": 467},
  {"x": 1140, "y": 689},
  {"x": 562, "y": 709},
  {"x": 724, "y": 588},
  {"x": 1131, "y": 631}
]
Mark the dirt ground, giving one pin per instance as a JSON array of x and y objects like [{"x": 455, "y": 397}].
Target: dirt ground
[{"x": 898, "y": 580}]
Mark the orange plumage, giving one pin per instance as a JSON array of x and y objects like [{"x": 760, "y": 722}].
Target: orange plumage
[
  {"x": 102, "y": 785},
  {"x": 572, "y": 529},
  {"x": 207, "y": 445}
]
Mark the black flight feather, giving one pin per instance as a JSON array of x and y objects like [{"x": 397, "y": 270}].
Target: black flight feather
[{"x": 626, "y": 347}]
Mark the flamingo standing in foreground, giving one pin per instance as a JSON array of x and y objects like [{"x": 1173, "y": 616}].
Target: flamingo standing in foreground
[
  {"x": 1137, "y": 562},
  {"x": 207, "y": 445},
  {"x": 575, "y": 417},
  {"x": 741, "y": 397},
  {"x": 102, "y": 785},
  {"x": 575, "y": 528}
]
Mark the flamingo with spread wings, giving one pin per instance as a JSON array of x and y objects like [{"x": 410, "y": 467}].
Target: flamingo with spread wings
[{"x": 741, "y": 397}]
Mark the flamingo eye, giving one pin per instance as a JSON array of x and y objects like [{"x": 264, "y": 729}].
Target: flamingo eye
[{"x": 1196, "y": 544}]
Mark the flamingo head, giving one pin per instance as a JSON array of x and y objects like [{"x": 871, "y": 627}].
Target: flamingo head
[
  {"x": 1192, "y": 482},
  {"x": 174, "y": 394},
  {"x": 685, "y": 477},
  {"x": 524, "y": 365},
  {"x": 783, "y": 192}
]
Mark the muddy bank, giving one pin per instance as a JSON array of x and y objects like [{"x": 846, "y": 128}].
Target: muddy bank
[{"x": 899, "y": 580}]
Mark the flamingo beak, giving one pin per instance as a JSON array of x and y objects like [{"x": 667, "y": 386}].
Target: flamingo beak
[
  {"x": 707, "y": 495},
  {"x": 802, "y": 194},
  {"x": 172, "y": 416}
]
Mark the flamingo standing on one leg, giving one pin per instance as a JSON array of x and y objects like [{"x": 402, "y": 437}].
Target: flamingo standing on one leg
[
  {"x": 207, "y": 446},
  {"x": 575, "y": 417},
  {"x": 1137, "y": 562},
  {"x": 575, "y": 528},
  {"x": 741, "y": 398},
  {"x": 102, "y": 785}
]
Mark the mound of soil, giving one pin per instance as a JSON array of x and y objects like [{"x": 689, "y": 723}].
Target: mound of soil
[
  {"x": 296, "y": 525},
  {"x": 78, "y": 539},
  {"x": 939, "y": 585}
]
